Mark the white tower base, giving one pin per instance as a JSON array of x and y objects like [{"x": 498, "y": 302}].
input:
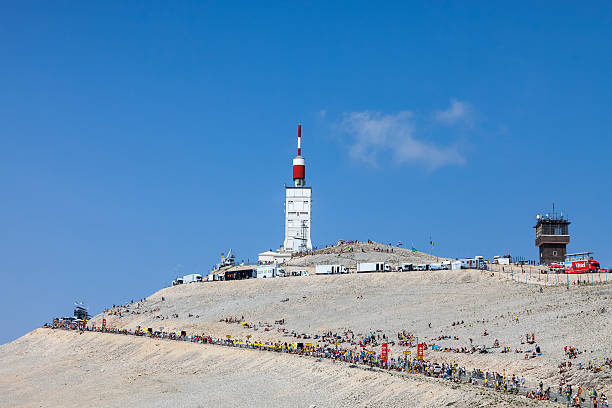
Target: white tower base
[{"x": 298, "y": 202}]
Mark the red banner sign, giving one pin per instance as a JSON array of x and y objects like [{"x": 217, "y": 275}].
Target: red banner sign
[
  {"x": 103, "y": 324},
  {"x": 384, "y": 351},
  {"x": 420, "y": 352}
]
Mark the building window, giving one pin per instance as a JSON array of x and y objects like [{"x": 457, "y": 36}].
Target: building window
[{"x": 554, "y": 253}]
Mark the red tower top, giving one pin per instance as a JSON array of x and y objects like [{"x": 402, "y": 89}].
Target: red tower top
[{"x": 299, "y": 164}]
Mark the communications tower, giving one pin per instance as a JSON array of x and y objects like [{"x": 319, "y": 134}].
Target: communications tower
[{"x": 298, "y": 200}]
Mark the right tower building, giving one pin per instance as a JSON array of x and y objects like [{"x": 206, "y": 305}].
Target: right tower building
[{"x": 552, "y": 237}]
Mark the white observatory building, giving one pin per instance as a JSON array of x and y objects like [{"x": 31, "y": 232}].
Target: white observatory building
[{"x": 298, "y": 203}]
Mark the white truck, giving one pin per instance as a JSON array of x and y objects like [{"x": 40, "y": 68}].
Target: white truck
[
  {"x": 406, "y": 267},
  {"x": 192, "y": 278},
  {"x": 366, "y": 267},
  {"x": 503, "y": 261},
  {"x": 330, "y": 269},
  {"x": 435, "y": 266},
  {"x": 265, "y": 271},
  {"x": 211, "y": 277},
  {"x": 177, "y": 281},
  {"x": 268, "y": 271},
  {"x": 468, "y": 263},
  {"x": 299, "y": 272},
  {"x": 477, "y": 262}
]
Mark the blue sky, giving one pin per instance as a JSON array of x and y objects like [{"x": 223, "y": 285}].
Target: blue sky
[{"x": 138, "y": 139}]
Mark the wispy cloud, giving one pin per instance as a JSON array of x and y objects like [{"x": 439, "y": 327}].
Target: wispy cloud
[
  {"x": 373, "y": 136},
  {"x": 456, "y": 112}
]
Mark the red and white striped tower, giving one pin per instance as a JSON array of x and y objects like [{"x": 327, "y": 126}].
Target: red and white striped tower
[{"x": 299, "y": 164}]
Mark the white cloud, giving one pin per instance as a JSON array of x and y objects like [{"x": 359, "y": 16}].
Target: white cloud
[
  {"x": 457, "y": 111},
  {"x": 373, "y": 135}
]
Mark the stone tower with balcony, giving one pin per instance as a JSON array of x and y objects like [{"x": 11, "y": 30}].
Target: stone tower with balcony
[{"x": 552, "y": 237}]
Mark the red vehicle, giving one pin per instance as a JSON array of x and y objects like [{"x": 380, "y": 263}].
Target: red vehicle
[{"x": 585, "y": 266}]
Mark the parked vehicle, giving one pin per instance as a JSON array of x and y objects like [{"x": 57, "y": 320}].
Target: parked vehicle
[
  {"x": 498, "y": 260},
  {"x": 264, "y": 271},
  {"x": 194, "y": 277},
  {"x": 585, "y": 266},
  {"x": 366, "y": 267},
  {"x": 421, "y": 267},
  {"x": 435, "y": 266},
  {"x": 177, "y": 281},
  {"x": 268, "y": 271},
  {"x": 405, "y": 267},
  {"x": 467, "y": 263},
  {"x": 474, "y": 263},
  {"x": 299, "y": 272},
  {"x": 330, "y": 269}
]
